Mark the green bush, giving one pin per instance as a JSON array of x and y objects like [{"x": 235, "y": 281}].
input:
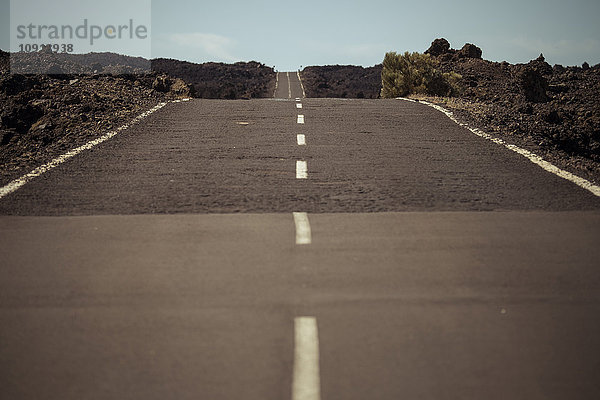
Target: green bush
[{"x": 411, "y": 73}]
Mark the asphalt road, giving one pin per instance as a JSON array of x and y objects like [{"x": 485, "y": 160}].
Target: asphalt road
[
  {"x": 288, "y": 86},
  {"x": 164, "y": 262}
]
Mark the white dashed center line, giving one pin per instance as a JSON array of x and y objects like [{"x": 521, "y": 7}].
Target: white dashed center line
[
  {"x": 301, "y": 170},
  {"x": 300, "y": 119},
  {"x": 301, "y": 140},
  {"x": 298, "y": 105},
  {"x": 307, "y": 381},
  {"x": 303, "y": 233}
]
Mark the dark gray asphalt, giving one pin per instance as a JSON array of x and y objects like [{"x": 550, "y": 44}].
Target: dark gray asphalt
[
  {"x": 441, "y": 266},
  {"x": 362, "y": 155},
  {"x": 288, "y": 86}
]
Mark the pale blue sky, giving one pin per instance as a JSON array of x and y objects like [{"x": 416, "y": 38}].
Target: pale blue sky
[{"x": 288, "y": 34}]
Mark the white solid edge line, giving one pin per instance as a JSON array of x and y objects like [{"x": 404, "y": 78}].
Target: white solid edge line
[
  {"x": 276, "y": 84},
  {"x": 534, "y": 158},
  {"x": 303, "y": 231},
  {"x": 300, "y": 119},
  {"x": 289, "y": 85},
  {"x": 301, "y": 140},
  {"x": 306, "y": 383},
  {"x": 301, "y": 170},
  {"x": 301, "y": 84},
  {"x": 19, "y": 182}
]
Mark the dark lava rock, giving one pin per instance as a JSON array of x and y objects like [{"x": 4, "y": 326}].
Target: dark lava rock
[
  {"x": 438, "y": 47},
  {"x": 540, "y": 65},
  {"x": 526, "y": 109},
  {"x": 534, "y": 85},
  {"x": 48, "y": 62},
  {"x": 42, "y": 115},
  {"x": 180, "y": 88},
  {"x": 165, "y": 84},
  {"x": 553, "y": 117},
  {"x": 5, "y": 136},
  {"x": 221, "y": 81},
  {"x": 554, "y": 110},
  {"x": 20, "y": 117},
  {"x": 15, "y": 84},
  {"x": 342, "y": 81},
  {"x": 470, "y": 51},
  {"x": 161, "y": 84}
]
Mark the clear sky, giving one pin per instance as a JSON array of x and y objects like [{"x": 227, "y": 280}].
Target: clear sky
[{"x": 288, "y": 34}]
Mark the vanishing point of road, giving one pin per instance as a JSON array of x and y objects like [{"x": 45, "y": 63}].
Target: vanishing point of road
[{"x": 297, "y": 248}]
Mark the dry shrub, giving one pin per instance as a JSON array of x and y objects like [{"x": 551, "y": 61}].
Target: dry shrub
[{"x": 415, "y": 73}]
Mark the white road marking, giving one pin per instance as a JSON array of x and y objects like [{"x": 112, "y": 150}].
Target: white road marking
[
  {"x": 18, "y": 183},
  {"x": 306, "y": 383},
  {"x": 301, "y": 85},
  {"x": 298, "y": 99},
  {"x": 276, "y": 84},
  {"x": 303, "y": 233},
  {"x": 301, "y": 140},
  {"x": 534, "y": 158},
  {"x": 300, "y": 119},
  {"x": 301, "y": 170},
  {"x": 289, "y": 85},
  {"x": 298, "y": 105}
]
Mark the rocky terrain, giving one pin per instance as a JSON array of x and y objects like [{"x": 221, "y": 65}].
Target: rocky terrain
[
  {"x": 221, "y": 81},
  {"x": 42, "y": 116},
  {"x": 46, "y": 61},
  {"x": 552, "y": 110},
  {"x": 80, "y": 97},
  {"x": 342, "y": 81}
]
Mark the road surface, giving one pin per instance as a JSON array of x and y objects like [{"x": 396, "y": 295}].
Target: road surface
[
  {"x": 372, "y": 249},
  {"x": 289, "y": 86}
]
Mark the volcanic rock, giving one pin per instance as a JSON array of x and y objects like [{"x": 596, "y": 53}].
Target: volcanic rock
[
  {"x": 343, "y": 81},
  {"x": 540, "y": 65},
  {"x": 534, "y": 85},
  {"x": 553, "y": 117},
  {"x": 161, "y": 84},
  {"x": 220, "y": 81},
  {"x": 470, "y": 51},
  {"x": 180, "y": 88},
  {"x": 438, "y": 47}
]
